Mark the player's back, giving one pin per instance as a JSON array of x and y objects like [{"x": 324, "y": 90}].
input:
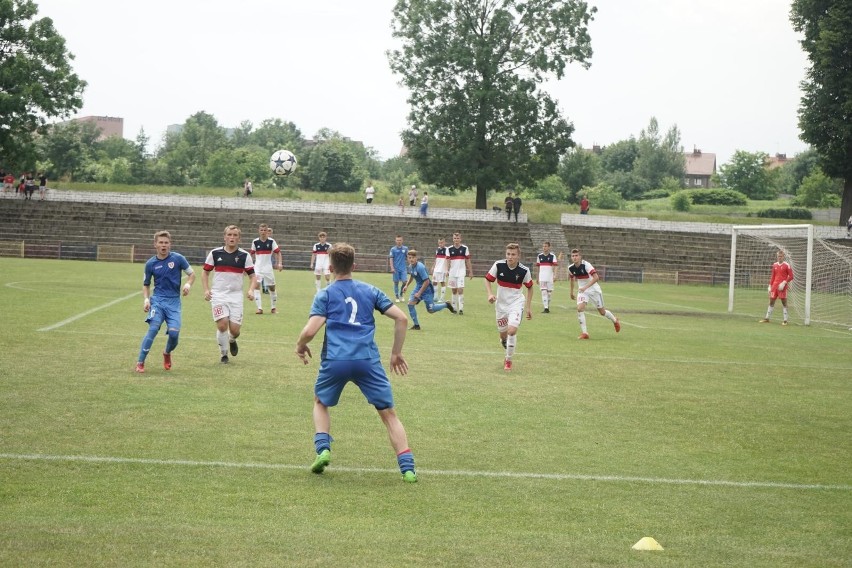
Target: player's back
[{"x": 348, "y": 307}]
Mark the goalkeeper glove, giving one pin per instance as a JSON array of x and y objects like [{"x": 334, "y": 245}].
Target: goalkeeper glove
[
  {"x": 769, "y": 289},
  {"x": 782, "y": 285}
]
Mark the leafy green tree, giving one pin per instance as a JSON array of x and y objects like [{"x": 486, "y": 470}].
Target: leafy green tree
[
  {"x": 579, "y": 168},
  {"x": 819, "y": 190},
  {"x": 275, "y": 134},
  {"x": 825, "y": 115},
  {"x": 748, "y": 174},
  {"x": 604, "y": 196},
  {"x": 37, "y": 82},
  {"x": 659, "y": 156},
  {"x": 230, "y": 168},
  {"x": 334, "y": 165},
  {"x": 621, "y": 156},
  {"x": 794, "y": 171},
  {"x": 629, "y": 185},
  {"x": 472, "y": 68},
  {"x": 69, "y": 147},
  {"x": 552, "y": 189},
  {"x": 187, "y": 151}
]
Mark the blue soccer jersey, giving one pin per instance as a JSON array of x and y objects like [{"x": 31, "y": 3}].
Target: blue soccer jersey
[
  {"x": 418, "y": 271},
  {"x": 400, "y": 258},
  {"x": 166, "y": 273},
  {"x": 350, "y": 325}
]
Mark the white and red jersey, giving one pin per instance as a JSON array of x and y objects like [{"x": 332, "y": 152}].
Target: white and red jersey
[
  {"x": 263, "y": 251},
  {"x": 546, "y": 265},
  {"x": 510, "y": 297},
  {"x": 458, "y": 261},
  {"x": 781, "y": 272},
  {"x": 581, "y": 273},
  {"x": 320, "y": 252},
  {"x": 228, "y": 268},
  {"x": 441, "y": 259}
]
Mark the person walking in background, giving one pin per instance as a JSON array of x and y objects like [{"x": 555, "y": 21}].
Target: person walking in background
[
  {"x": 546, "y": 263},
  {"x": 509, "y": 302},
  {"x": 350, "y": 353},
  {"x": 588, "y": 290},
  {"x": 229, "y": 262},
  {"x": 263, "y": 250},
  {"x": 398, "y": 265},
  {"x": 584, "y": 205},
  {"x": 412, "y": 195},
  {"x": 42, "y": 186},
  {"x": 508, "y": 204},
  {"x": 423, "y": 290},
  {"x": 424, "y": 204},
  {"x": 29, "y": 185},
  {"x": 779, "y": 280},
  {"x": 401, "y": 203},
  {"x": 164, "y": 305},
  {"x": 319, "y": 260},
  {"x": 516, "y": 206},
  {"x": 459, "y": 256},
  {"x": 247, "y": 188},
  {"x": 9, "y": 183},
  {"x": 370, "y": 192}
]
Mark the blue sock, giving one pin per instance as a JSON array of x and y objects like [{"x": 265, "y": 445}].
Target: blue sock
[
  {"x": 396, "y": 289},
  {"x": 413, "y": 312},
  {"x": 437, "y": 307},
  {"x": 405, "y": 459},
  {"x": 147, "y": 342},
  {"x": 322, "y": 441},
  {"x": 172, "y": 342}
]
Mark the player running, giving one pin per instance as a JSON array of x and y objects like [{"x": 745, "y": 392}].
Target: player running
[
  {"x": 588, "y": 290},
  {"x": 422, "y": 291},
  {"x": 546, "y": 263},
  {"x": 263, "y": 249},
  {"x": 509, "y": 303}
]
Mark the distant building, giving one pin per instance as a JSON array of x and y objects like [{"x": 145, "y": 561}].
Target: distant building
[
  {"x": 109, "y": 125},
  {"x": 776, "y": 161},
  {"x": 700, "y": 166}
]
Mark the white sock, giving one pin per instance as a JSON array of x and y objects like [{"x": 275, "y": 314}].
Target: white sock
[
  {"x": 319, "y": 284},
  {"x": 581, "y": 317},
  {"x": 222, "y": 340},
  {"x": 461, "y": 301},
  {"x": 608, "y": 315},
  {"x": 785, "y": 314},
  {"x": 511, "y": 341},
  {"x": 769, "y": 312},
  {"x": 544, "y": 298},
  {"x": 273, "y": 297}
]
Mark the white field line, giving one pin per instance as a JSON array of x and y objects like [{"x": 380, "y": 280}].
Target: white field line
[
  {"x": 437, "y": 472},
  {"x": 87, "y": 312}
]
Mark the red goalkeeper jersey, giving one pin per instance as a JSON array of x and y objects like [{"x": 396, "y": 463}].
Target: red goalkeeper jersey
[{"x": 781, "y": 272}]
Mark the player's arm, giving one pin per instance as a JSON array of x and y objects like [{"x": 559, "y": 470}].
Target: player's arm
[
  {"x": 310, "y": 330},
  {"x": 422, "y": 289},
  {"x": 390, "y": 263},
  {"x": 146, "y": 298},
  {"x": 398, "y": 364},
  {"x": 529, "y": 300},
  {"x": 469, "y": 267},
  {"x": 280, "y": 260},
  {"x": 205, "y": 282},
  {"x": 571, "y": 288},
  {"x": 252, "y": 284},
  {"x": 407, "y": 282},
  {"x": 189, "y": 281},
  {"x": 593, "y": 278},
  {"x": 491, "y": 297},
  {"x": 313, "y": 259}
]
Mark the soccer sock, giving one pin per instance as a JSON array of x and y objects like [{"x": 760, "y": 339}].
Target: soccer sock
[
  {"x": 396, "y": 288},
  {"x": 405, "y": 459},
  {"x": 769, "y": 312},
  {"x": 413, "y": 313},
  {"x": 172, "y": 342},
  {"x": 461, "y": 301},
  {"x": 581, "y": 317},
  {"x": 785, "y": 314},
  {"x": 443, "y": 291},
  {"x": 322, "y": 441},
  {"x": 222, "y": 340},
  {"x": 544, "y": 298},
  {"x": 147, "y": 341},
  {"x": 608, "y": 315},
  {"x": 319, "y": 284},
  {"x": 258, "y": 302},
  {"x": 511, "y": 341},
  {"x": 273, "y": 297}
]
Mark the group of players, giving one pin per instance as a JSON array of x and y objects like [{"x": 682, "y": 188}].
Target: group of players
[{"x": 346, "y": 309}]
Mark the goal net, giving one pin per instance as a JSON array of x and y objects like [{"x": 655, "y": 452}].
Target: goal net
[{"x": 821, "y": 291}]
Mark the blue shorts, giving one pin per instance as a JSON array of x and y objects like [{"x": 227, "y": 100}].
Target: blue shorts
[
  {"x": 164, "y": 310},
  {"x": 427, "y": 297},
  {"x": 400, "y": 275},
  {"x": 368, "y": 375}
]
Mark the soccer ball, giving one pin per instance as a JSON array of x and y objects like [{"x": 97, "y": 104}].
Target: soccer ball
[{"x": 282, "y": 163}]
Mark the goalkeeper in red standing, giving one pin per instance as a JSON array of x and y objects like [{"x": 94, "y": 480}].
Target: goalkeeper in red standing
[{"x": 782, "y": 275}]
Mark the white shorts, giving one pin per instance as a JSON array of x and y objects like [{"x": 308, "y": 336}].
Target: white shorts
[
  {"x": 231, "y": 310},
  {"x": 591, "y": 296},
  {"x": 456, "y": 282},
  {"x": 320, "y": 271},
  {"x": 267, "y": 277},
  {"x": 439, "y": 277},
  {"x": 322, "y": 264},
  {"x": 546, "y": 285},
  {"x": 509, "y": 318}
]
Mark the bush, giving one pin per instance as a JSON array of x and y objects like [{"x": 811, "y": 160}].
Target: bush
[
  {"x": 717, "y": 197},
  {"x": 655, "y": 194},
  {"x": 604, "y": 196},
  {"x": 681, "y": 201},
  {"x": 789, "y": 213}
]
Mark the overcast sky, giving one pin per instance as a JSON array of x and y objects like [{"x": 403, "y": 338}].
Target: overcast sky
[{"x": 726, "y": 72}]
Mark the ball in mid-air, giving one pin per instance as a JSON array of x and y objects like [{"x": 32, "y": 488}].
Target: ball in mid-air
[{"x": 282, "y": 162}]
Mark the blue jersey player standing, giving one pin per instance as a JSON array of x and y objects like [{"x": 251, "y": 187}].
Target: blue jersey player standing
[
  {"x": 423, "y": 290},
  {"x": 398, "y": 265},
  {"x": 164, "y": 304},
  {"x": 349, "y": 353}
]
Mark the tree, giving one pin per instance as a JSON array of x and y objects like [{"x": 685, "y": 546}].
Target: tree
[
  {"x": 472, "y": 68},
  {"x": 659, "y": 157},
  {"x": 825, "y": 115},
  {"x": 818, "y": 190},
  {"x": 621, "y": 156},
  {"x": 579, "y": 168},
  {"x": 36, "y": 79},
  {"x": 68, "y": 147},
  {"x": 747, "y": 173},
  {"x": 793, "y": 172},
  {"x": 334, "y": 165}
]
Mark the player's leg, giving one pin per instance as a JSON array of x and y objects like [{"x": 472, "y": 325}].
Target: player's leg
[
  {"x": 273, "y": 297},
  {"x": 460, "y": 288},
  {"x": 258, "y": 298},
  {"x": 222, "y": 330},
  {"x": 581, "y": 316},
  {"x": 329, "y": 385},
  {"x": 155, "y": 321},
  {"x": 784, "y": 304},
  {"x": 770, "y": 309},
  {"x": 412, "y": 310}
]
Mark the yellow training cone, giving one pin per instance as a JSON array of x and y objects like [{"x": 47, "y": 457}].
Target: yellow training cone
[{"x": 647, "y": 543}]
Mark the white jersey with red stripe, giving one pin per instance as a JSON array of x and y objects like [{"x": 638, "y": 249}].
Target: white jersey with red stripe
[
  {"x": 263, "y": 251},
  {"x": 546, "y": 264},
  {"x": 458, "y": 260},
  {"x": 321, "y": 260},
  {"x": 581, "y": 273},
  {"x": 510, "y": 296},
  {"x": 228, "y": 269}
]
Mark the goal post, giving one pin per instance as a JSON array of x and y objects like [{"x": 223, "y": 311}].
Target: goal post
[{"x": 821, "y": 290}]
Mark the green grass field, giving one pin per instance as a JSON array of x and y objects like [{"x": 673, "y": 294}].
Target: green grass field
[{"x": 727, "y": 441}]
